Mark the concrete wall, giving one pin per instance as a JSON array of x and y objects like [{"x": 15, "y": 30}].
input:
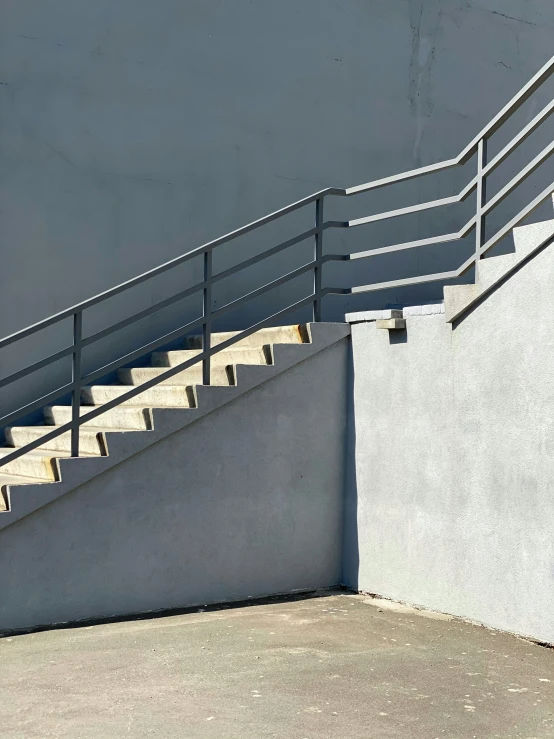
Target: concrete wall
[
  {"x": 245, "y": 502},
  {"x": 451, "y": 496},
  {"x": 133, "y": 131}
]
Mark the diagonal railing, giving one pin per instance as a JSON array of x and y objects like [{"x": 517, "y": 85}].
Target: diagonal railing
[{"x": 476, "y": 223}]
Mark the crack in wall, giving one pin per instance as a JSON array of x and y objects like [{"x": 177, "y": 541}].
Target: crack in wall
[
  {"x": 425, "y": 20},
  {"x": 88, "y": 170},
  {"x": 512, "y": 18}
]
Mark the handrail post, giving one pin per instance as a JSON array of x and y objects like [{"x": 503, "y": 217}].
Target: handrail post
[
  {"x": 318, "y": 256},
  {"x": 207, "y": 313},
  {"x": 480, "y": 221},
  {"x": 76, "y": 380}
]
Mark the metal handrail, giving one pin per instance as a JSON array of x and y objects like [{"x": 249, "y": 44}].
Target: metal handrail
[{"x": 477, "y": 222}]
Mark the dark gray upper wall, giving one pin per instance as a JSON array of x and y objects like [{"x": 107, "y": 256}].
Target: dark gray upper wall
[{"x": 133, "y": 131}]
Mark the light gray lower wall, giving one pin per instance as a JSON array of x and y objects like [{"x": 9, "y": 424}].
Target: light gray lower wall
[
  {"x": 451, "y": 497},
  {"x": 133, "y": 131},
  {"x": 245, "y": 502}
]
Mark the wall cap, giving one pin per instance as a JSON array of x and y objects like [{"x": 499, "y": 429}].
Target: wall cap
[{"x": 369, "y": 316}]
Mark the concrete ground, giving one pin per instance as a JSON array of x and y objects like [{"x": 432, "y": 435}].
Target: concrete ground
[{"x": 334, "y": 666}]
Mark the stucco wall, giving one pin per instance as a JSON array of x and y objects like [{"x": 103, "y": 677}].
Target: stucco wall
[
  {"x": 451, "y": 497},
  {"x": 245, "y": 502},
  {"x": 133, "y": 131}
]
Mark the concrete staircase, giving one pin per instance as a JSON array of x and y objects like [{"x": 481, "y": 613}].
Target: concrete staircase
[
  {"x": 492, "y": 271},
  {"x": 39, "y": 476},
  {"x": 42, "y": 475}
]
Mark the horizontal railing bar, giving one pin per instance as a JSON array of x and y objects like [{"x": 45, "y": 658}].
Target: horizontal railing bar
[
  {"x": 420, "y": 279},
  {"x": 36, "y": 366},
  {"x": 443, "y": 239},
  {"x": 515, "y": 103},
  {"x": 264, "y": 255},
  {"x": 416, "y": 208},
  {"x": 402, "y": 211},
  {"x": 234, "y": 304},
  {"x": 58, "y": 431},
  {"x": 143, "y": 314},
  {"x": 405, "y": 282},
  {"x": 466, "y": 265},
  {"x": 518, "y": 179},
  {"x": 521, "y": 216},
  {"x": 134, "y": 391},
  {"x": 410, "y": 175},
  {"x": 36, "y": 404},
  {"x": 519, "y": 139}
]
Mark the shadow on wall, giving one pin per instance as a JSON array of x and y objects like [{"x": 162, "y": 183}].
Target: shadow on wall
[{"x": 350, "y": 554}]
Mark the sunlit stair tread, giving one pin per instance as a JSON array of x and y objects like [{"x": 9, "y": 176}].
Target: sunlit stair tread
[
  {"x": 273, "y": 335},
  {"x": 123, "y": 417},
  {"x": 231, "y": 355},
  {"x": 89, "y": 439},
  {"x": 190, "y": 376},
  {"x": 38, "y": 463},
  {"x": 161, "y": 396}
]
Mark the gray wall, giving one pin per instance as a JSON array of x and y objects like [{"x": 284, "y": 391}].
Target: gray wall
[
  {"x": 133, "y": 131},
  {"x": 245, "y": 502},
  {"x": 451, "y": 496}
]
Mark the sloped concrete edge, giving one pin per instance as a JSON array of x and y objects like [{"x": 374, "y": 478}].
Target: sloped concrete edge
[{"x": 123, "y": 445}]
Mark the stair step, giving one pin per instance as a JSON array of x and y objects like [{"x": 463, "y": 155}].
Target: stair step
[
  {"x": 190, "y": 376},
  {"x": 456, "y": 298},
  {"x": 123, "y": 417},
  {"x": 89, "y": 440},
  {"x": 493, "y": 269},
  {"x": 273, "y": 335},
  {"x": 239, "y": 355},
  {"x": 161, "y": 396},
  {"x": 36, "y": 464},
  {"x": 527, "y": 238}
]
